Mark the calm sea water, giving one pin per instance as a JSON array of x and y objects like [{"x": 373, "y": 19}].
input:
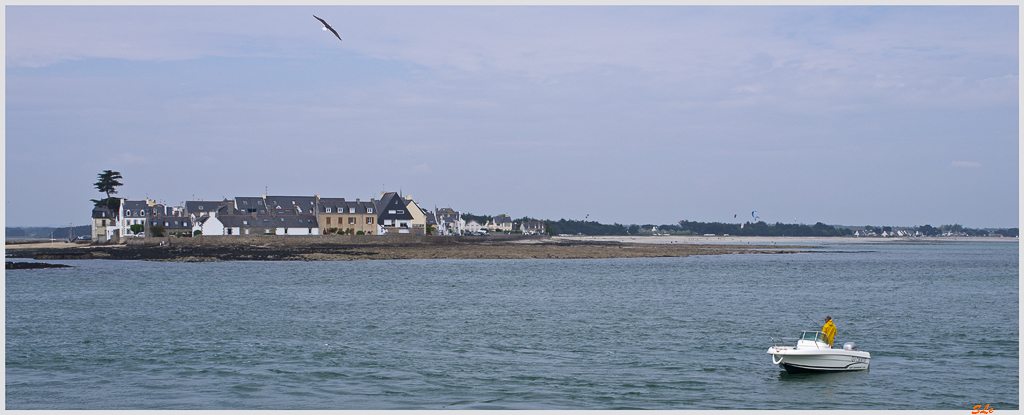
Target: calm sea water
[{"x": 941, "y": 322}]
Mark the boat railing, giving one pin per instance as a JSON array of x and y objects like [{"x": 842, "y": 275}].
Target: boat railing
[{"x": 784, "y": 341}]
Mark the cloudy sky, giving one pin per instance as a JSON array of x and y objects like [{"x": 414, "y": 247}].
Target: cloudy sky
[{"x": 844, "y": 115}]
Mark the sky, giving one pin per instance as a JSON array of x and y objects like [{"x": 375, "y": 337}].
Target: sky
[{"x": 861, "y": 115}]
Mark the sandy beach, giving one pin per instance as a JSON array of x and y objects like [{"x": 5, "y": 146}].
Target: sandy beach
[{"x": 42, "y": 245}]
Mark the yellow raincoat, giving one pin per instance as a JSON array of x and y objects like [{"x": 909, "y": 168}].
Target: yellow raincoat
[{"x": 830, "y": 332}]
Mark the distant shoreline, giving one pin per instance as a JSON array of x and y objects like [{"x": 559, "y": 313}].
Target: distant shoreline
[
  {"x": 784, "y": 240},
  {"x": 373, "y": 249}
]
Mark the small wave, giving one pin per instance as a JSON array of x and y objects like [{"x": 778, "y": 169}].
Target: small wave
[{"x": 328, "y": 375}]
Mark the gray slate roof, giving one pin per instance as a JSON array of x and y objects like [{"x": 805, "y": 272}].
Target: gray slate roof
[
  {"x": 449, "y": 217},
  {"x": 266, "y": 221},
  {"x": 172, "y": 223},
  {"x": 133, "y": 209},
  {"x": 195, "y": 207},
  {"x": 303, "y": 204},
  {"x": 102, "y": 212},
  {"x": 346, "y": 206},
  {"x": 249, "y": 204},
  {"x": 392, "y": 201}
]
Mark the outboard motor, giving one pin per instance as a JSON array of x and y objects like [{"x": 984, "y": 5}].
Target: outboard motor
[{"x": 849, "y": 346}]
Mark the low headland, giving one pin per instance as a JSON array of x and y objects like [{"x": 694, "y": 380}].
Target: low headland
[
  {"x": 346, "y": 247},
  {"x": 341, "y": 248}
]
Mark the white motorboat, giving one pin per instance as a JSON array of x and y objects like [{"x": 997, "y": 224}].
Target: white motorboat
[{"x": 810, "y": 353}]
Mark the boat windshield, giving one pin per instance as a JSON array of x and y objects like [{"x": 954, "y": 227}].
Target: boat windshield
[{"x": 811, "y": 335}]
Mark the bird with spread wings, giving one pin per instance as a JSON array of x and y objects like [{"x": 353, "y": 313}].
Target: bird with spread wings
[{"x": 328, "y": 27}]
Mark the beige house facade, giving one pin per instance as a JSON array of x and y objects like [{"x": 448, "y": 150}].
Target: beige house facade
[{"x": 337, "y": 215}]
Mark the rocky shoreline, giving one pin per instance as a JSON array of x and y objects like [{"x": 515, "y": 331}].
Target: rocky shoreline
[
  {"x": 544, "y": 249},
  {"x": 32, "y": 265}
]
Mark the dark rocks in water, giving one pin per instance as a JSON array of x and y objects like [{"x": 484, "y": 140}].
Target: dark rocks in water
[
  {"x": 65, "y": 255},
  {"x": 33, "y": 265}
]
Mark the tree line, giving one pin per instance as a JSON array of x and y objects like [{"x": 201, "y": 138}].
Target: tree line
[
  {"x": 562, "y": 226},
  {"x": 761, "y": 228},
  {"x": 46, "y": 232}
]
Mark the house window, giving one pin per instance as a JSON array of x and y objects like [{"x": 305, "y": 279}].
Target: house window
[
  {"x": 328, "y": 210},
  {"x": 351, "y": 210},
  {"x": 369, "y": 210},
  {"x": 392, "y": 212},
  {"x": 369, "y": 220},
  {"x": 127, "y": 213},
  {"x": 286, "y": 231},
  {"x": 200, "y": 207},
  {"x": 401, "y": 212},
  {"x": 328, "y": 218},
  {"x": 351, "y": 221},
  {"x": 103, "y": 222},
  {"x": 245, "y": 222}
]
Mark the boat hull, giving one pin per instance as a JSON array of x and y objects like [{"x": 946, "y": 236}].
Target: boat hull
[{"x": 819, "y": 360}]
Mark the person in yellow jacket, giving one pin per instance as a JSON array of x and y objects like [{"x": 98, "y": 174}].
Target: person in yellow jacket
[{"x": 829, "y": 329}]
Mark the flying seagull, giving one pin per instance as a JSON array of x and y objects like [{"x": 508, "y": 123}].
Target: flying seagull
[{"x": 328, "y": 27}]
